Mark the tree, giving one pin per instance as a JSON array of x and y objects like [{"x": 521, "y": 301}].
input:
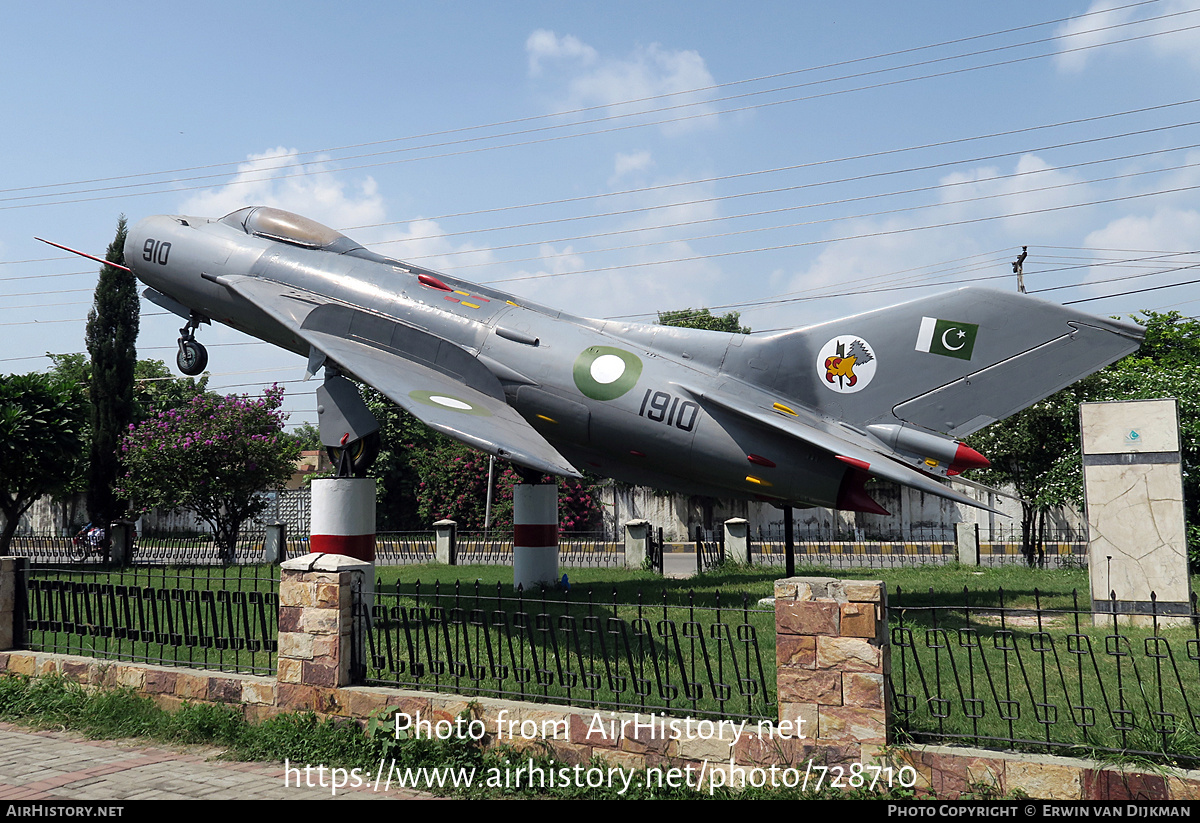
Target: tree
[
  {"x": 158, "y": 389},
  {"x": 703, "y": 319},
  {"x": 215, "y": 457},
  {"x": 1030, "y": 452},
  {"x": 155, "y": 388},
  {"x": 308, "y": 437},
  {"x": 41, "y": 443},
  {"x": 453, "y": 486},
  {"x": 112, "y": 330}
]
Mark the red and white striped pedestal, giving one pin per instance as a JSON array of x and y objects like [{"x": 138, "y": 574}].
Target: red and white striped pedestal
[
  {"x": 343, "y": 517},
  {"x": 535, "y": 534}
]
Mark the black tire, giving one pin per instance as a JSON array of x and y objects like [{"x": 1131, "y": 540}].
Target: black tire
[
  {"x": 192, "y": 357},
  {"x": 362, "y": 454},
  {"x": 79, "y": 550}
]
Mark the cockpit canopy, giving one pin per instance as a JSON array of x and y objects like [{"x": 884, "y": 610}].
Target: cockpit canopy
[{"x": 277, "y": 224}]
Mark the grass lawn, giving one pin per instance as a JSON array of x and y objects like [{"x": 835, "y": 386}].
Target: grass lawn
[{"x": 1037, "y": 675}]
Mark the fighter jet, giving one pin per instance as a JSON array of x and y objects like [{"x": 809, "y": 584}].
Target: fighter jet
[{"x": 802, "y": 417}]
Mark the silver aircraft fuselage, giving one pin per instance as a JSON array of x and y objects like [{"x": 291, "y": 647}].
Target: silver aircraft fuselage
[{"x": 801, "y": 417}]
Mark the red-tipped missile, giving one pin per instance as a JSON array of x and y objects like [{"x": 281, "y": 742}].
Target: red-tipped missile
[
  {"x": 967, "y": 458},
  {"x": 928, "y": 446}
]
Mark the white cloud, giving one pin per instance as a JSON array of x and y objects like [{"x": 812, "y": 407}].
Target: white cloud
[
  {"x": 1079, "y": 36},
  {"x": 279, "y": 178},
  {"x": 1032, "y": 196},
  {"x": 1152, "y": 236},
  {"x": 1168, "y": 229},
  {"x": 544, "y": 45},
  {"x": 622, "y": 273},
  {"x": 630, "y": 163},
  {"x": 650, "y": 71}
]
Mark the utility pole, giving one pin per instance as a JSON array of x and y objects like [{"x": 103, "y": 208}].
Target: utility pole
[{"x": 1019, "y": 268}]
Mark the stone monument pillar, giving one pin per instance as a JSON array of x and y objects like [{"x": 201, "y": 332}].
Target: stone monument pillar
[{"x": 1133, "y": 483}]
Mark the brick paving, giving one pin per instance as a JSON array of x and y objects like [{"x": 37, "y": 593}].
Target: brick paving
[{"x": 50, "y": 765}]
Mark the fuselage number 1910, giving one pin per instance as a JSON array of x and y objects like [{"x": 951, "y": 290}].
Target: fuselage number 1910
[{"x": 665, "y": 408}]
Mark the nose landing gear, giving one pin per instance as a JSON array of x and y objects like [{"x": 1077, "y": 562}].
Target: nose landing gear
[{"x": 192, "y": 358}]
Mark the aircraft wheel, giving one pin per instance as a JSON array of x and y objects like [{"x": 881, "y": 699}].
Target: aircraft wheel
[
  {"x": 192, "y": 358},
  {"x": 362, "y": 454}
]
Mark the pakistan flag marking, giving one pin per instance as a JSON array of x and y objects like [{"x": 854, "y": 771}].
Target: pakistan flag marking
[{"x": 948, "y": 338}]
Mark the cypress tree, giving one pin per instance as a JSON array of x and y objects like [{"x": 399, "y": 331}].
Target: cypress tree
[{"x": 112, "y": 330}]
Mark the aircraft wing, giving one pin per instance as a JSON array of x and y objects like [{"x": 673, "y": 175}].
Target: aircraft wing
[
  {"x": 857, "y": 455},
  {"x": 439, "y": 383}
]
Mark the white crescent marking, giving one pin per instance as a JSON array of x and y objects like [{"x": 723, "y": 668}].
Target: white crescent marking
[{"x": 947, "y": 345}]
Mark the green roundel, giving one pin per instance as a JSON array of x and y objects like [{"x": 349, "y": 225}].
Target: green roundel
[
  {"x": 442, "y": 400},
  {"x": 605, "y": 373}
]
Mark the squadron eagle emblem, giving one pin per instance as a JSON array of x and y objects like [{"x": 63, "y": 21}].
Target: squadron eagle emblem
[{"x": 846, "y": 364}]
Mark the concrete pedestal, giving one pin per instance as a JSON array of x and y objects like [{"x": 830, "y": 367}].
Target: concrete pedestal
[
  {"x": 535, "y": 534},
  {"x": 343, "y": 517}
]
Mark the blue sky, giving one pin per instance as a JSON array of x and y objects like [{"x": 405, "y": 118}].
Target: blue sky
[{"x": 794, "y": 161}]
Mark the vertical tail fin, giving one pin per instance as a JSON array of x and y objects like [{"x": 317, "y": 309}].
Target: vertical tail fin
[{"x": 950, "y": 363}]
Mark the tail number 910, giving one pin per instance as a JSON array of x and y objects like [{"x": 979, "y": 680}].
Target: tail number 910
[
  {"x": 665, "y": 408},
  {"x": 156, "y": 251}
]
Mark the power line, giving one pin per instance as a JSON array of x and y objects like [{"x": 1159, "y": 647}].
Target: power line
[
  {"x": 176, "y": 188},
  {"x": 667, "y": 95},
  {"x": 859, "y": 216},
  {"x": 864, "y": 235}
]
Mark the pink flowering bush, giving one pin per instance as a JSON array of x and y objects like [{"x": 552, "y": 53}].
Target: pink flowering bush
[
  {"x": 214, "y": 457},
  {"x": 453, "y": 485}
]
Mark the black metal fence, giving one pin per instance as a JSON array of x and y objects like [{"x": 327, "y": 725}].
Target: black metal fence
[
  {"x": 1057, "y": 680},
  {"x": 404, "y": 548},
  {"x": 710, "y": 548},
  {"x": 575, "y": 549},
  {"x": 571, "y": 648},
  {"x": 916, "y": 547},
  {"x": 654, "y": 548},
  {"x": 214, "y": 617},
  {"x": 157, "y": 550}
]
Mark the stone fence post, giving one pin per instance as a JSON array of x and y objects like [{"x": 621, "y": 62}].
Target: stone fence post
[
  {"x": 966, "y": 543},
  {"x": 833, "y": 657},
  {"x": 12, "y": 588},
  {"x": 737, "y": 539},
  {"x": 446, "y": 542},
  {"x": 316, "y": 597},
  {"x": 636, "y": 534}
]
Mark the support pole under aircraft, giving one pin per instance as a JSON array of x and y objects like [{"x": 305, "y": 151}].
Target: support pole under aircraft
[
  {"x": 535, "y": 534},
  {"x": 789, "y": 542}
]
